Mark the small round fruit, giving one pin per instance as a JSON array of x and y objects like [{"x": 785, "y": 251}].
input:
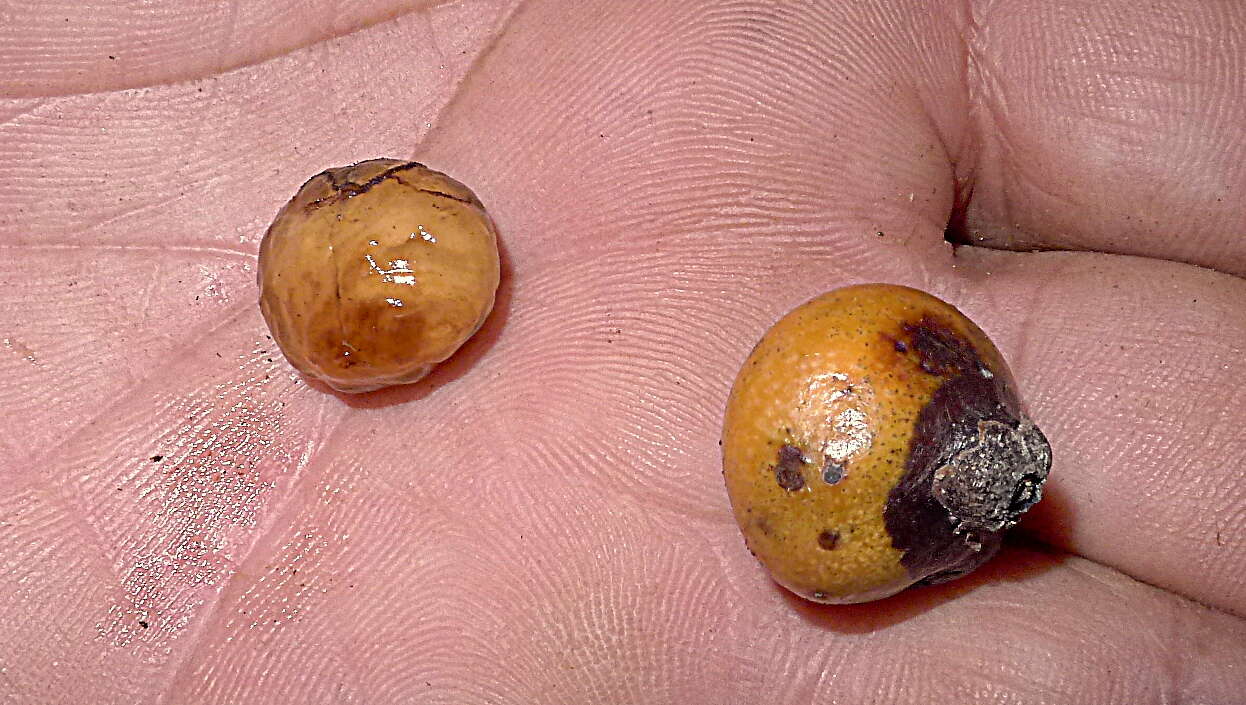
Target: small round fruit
[
  {"x": 874, "y": 439},
  {"x": 375, "y": 272}
]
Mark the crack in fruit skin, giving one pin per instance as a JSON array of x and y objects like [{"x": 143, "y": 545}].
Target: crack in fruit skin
[
  {"x": 376, "y": 272},
  {"x": 903, "y": 425}
]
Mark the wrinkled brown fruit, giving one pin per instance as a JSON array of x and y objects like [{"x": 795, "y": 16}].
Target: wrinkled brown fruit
[{"x": 375, "y": 272}]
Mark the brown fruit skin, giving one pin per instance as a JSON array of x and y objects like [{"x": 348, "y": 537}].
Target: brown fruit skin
[
  {"x": 874, "y": 439},
  {"x": 375, "y": 272}
]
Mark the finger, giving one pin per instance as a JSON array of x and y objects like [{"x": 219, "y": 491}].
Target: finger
[
  {"x": 1113, "y": 127},
  {"x": 1131, "y": 367}
]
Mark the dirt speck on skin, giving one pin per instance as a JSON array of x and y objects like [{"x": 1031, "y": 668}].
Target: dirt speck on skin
[{"x": 20, "y": 349}]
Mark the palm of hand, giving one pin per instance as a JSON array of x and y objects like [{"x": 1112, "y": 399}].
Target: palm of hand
[{"x": 543, "y": 519}]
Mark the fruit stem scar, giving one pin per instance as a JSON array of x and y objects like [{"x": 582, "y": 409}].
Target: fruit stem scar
[
  {"x": 989, "y": 484},
  {"x": 975, "y": 463}
]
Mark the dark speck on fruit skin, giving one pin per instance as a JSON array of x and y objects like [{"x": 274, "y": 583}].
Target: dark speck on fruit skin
[
  {"x": 827, "y": 540},
  {"x": 787, "y": 471},
  {"x": 763, "y": 525},
  {"x": 832, "y": 472}
]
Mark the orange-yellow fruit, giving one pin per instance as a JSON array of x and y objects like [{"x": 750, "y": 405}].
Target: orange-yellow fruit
[
  {"x": 874, "y": 439},
  {"x": 375, "y": 272}
]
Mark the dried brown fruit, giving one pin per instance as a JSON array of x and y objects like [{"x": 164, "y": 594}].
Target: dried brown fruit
[{"x": 375, "y": 272}]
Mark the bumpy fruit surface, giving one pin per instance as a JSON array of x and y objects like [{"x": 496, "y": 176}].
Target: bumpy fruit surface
[
  {"x": 375, "y": 272},
  {"x": 874, "y": 439}
]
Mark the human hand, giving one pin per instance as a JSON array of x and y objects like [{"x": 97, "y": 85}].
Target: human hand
[{"x": 542, "y": 520}]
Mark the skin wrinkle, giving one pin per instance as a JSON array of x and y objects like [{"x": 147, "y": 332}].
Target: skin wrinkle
[
  {"x": 432, "y": 38},
  {"x": 975, "y": 70},
  {"x": 30, "y": 106},
  {"x": 99, "y": 560},
  {"x": 249, "y": 257},
  {"x": 239, "y": 311},
  {"x": 953, "y": 163},
  {"x": 480, "y": 56},
  {"x": 1017, "y": 355},
  {"x": 971, "y": 71},
  {"x": 131, "y": 212},
  {"x": 231, "y": 35},
  {"x": 1174, "y": 664},
  {"x": 224, "y": 67},
  {"x": 79, "y": 518}
]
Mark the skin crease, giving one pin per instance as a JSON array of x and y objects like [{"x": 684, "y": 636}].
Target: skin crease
[{"x": 543, "y": 520}]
